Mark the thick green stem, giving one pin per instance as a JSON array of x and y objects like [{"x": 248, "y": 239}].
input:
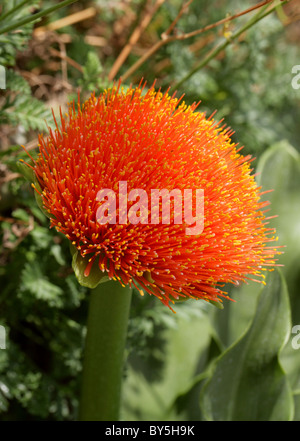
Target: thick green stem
[{"x": 104, "y": 352}]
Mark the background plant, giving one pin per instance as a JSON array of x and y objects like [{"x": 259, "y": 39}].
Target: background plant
[{"x": 173, "y": 361}]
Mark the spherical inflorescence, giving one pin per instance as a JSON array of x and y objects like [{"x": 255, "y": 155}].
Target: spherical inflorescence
[{"x": 152, "y": 141}]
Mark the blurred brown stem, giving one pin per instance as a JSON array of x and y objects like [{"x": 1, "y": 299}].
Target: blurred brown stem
[
  {"x": 134, "y": 38},
  {"x": 263, "y": 12},
  {"x": 166, "y": 38}
]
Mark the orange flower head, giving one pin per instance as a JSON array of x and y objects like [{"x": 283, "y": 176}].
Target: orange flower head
[{"x": 153, "y": 141}]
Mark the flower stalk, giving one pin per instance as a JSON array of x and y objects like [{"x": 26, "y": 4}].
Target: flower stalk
[{"x": 104, "y": 352}]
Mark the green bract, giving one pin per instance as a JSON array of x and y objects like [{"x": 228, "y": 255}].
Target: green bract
[{"x": 79, "y": 265}]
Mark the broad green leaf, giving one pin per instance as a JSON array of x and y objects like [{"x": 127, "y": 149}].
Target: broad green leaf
[
  {"x": 248, "y": 382},
  {"x": 297, "y": 405},
  {"x": 231, "y": 322},
  {"x": 279, "y": 169},
  {"x": 290, "y": 360},
  {"x": 149, "y": 397},
  {"x": 186, "y": 405}
]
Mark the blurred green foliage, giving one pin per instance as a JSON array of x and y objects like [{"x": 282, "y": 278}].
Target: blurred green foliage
[{"x": 179, "y": 366}]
